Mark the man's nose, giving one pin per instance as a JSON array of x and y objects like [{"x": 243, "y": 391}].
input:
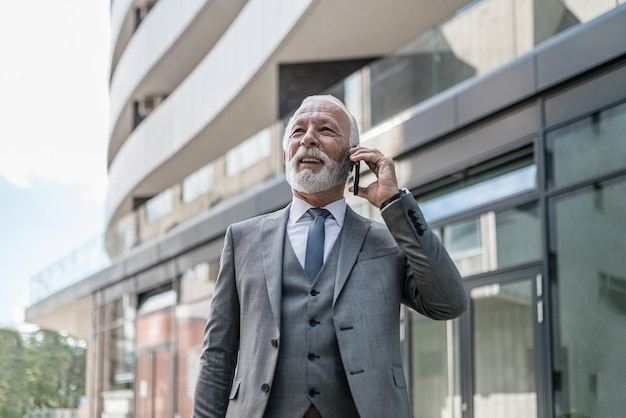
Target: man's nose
[{"x": 309, "y": 139}]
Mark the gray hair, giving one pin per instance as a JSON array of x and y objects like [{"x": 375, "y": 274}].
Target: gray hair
[{"x": 354, "y": 129}]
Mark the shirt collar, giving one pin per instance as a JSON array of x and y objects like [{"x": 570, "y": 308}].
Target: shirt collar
[{"x": 299, "y": 208}]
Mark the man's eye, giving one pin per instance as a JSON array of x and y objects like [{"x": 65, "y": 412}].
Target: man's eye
[
  {"x": 297, "y": 131},
  {"x": 326, "y": 129}
]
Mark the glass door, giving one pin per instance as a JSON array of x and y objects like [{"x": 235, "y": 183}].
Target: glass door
[{"x": 500, "y": 357}]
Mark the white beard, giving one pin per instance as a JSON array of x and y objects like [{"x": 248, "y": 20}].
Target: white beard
[{"x": 306, "y": 181}]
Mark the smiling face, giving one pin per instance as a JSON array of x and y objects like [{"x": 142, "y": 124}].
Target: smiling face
[{"x": 316, "y": 148}]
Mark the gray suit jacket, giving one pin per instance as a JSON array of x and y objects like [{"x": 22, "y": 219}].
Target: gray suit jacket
[{"x": 379, "y": 268}]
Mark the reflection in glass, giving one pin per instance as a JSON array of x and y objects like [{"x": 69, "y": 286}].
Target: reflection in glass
[
  {"x": 480, "y": 37},
  {"x": 588, "y": 243},
  {"x": 504, "y": 377},
  {"x": 587, "y": 148},
  {"x": 422, "y": 68},
  {"x": 198, "y": 183},
  {"x": 494, "y": 240},
  {"x": 249, "y": 152},
  {"x": 462, "y": 239},
  {"x": 198, "y": 282},
  {"x": 118, "y": 344},
  {"x": 159, "y": 206},
  {"x": 518, "y": 236},
  {"x": 491, "y": 190},
  {"x": 435, "y": 370}
]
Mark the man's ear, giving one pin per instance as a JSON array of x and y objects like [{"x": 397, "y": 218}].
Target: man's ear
[{"x": 284, "y": 158}]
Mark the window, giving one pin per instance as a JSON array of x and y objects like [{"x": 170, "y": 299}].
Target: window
[
  {"x": 494, "y": 240},
  {"x": 590, "y": 147},
  {"x": 493, "y": 189},
  {"x": 198, "y": 183},
  {"x": 198, "y": 282},
  {"x": 119, "y": 346},
  {"x": 159, "y": 206},
  {"x": 588, "y": 244},
  {"x": 248, "y": 153},
  {"x": 129, "y": 238}
]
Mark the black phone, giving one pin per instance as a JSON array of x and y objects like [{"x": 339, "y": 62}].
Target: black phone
[{"x": 357, "y": 174}]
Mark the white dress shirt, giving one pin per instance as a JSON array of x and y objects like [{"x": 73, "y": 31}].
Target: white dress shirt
[{"x": 300, "y": 220}]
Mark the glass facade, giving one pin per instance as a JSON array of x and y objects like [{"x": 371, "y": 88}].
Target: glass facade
[
  {"x": 479, "y": 192},
  {"x": 435, "y": 389},
  {"x": 481, "y": 37},
  {"x": 490, "y": 353},
  {"x": 588, "y": 249},
  {"x": 494, "y": 240},
  {"x": 491, "y": 222},
  {"x": 590, "y": 147}
]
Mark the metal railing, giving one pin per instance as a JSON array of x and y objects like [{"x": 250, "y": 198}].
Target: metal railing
[{"x": 82, "y": 262}]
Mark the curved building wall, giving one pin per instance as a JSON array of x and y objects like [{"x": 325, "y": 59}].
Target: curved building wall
[
  {"x": 170, "y": 41},
  {"x": 167, "y": 20},
  {"x": 199, "y": 99},
  {"x": 122, "y": 25}
]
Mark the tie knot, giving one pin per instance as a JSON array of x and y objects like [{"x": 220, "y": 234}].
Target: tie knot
[{"x": 315, "y": 212}]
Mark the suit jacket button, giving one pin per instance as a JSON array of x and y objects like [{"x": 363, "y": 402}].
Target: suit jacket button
[
  {"x": 265, "y": 387},
  {"x": 274, "y": 342},
  {"x": 313, "y": 392},
  {"x": 314, "y": 292}
]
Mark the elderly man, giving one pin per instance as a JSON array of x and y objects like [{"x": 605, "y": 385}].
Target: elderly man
[{"x": 304, "y": 320}]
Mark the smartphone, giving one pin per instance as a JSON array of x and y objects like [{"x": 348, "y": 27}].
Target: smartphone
[{"x": 357, "y": 174}]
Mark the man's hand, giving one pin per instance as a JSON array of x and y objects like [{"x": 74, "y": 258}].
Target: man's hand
[{"x": 386, "y": 184}]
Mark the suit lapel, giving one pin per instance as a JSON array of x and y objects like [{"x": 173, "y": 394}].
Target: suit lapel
[
  {"x": 273, "y": 229},
  {"x": 353, "y": 234}
]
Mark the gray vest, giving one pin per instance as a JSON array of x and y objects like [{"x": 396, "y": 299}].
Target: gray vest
[{"x": 309, "y": 369}]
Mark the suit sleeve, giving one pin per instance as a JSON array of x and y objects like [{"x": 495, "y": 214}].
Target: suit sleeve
[
  {"x": 432, "y": 285},
  {"x": 221, "y": 341}
]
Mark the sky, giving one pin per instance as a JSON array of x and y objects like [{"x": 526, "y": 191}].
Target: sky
[{"x": 54, "y": 61}]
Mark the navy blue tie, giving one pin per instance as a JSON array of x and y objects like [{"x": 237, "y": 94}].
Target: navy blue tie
[{"x": 314, "y": 258}]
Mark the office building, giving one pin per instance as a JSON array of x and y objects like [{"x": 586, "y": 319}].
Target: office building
[{"x": 506, "y": 119}]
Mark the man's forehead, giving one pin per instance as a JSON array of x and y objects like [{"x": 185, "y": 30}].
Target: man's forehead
[{"x": 324, "y": 110}]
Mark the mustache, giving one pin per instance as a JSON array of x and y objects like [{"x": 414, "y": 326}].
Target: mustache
[{"x": 316, "y": 153}]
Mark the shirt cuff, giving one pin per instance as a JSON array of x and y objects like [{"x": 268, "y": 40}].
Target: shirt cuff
[{"x": 393, "y": 198}]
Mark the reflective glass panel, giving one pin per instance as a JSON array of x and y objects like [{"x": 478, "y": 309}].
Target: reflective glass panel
[
  {"x": 198, "y": 282},
  {"x": 116, "y": 319},
  {"x": 587, "y": 148},
  {"x": 480, "y": 37},
  {"x": 518, "y": 236},
  {"x": 588, "y": 244},
  {"x": 494, "y": 240},
  {"x": 435, "y": 370},
  {"x": 249, "y": 152},
  {"x": 481, "y": 193},
  {"x": 198, "y": 183},
  {"x": 159, "y": 206},
  {"x": 504, "y": 377}
]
